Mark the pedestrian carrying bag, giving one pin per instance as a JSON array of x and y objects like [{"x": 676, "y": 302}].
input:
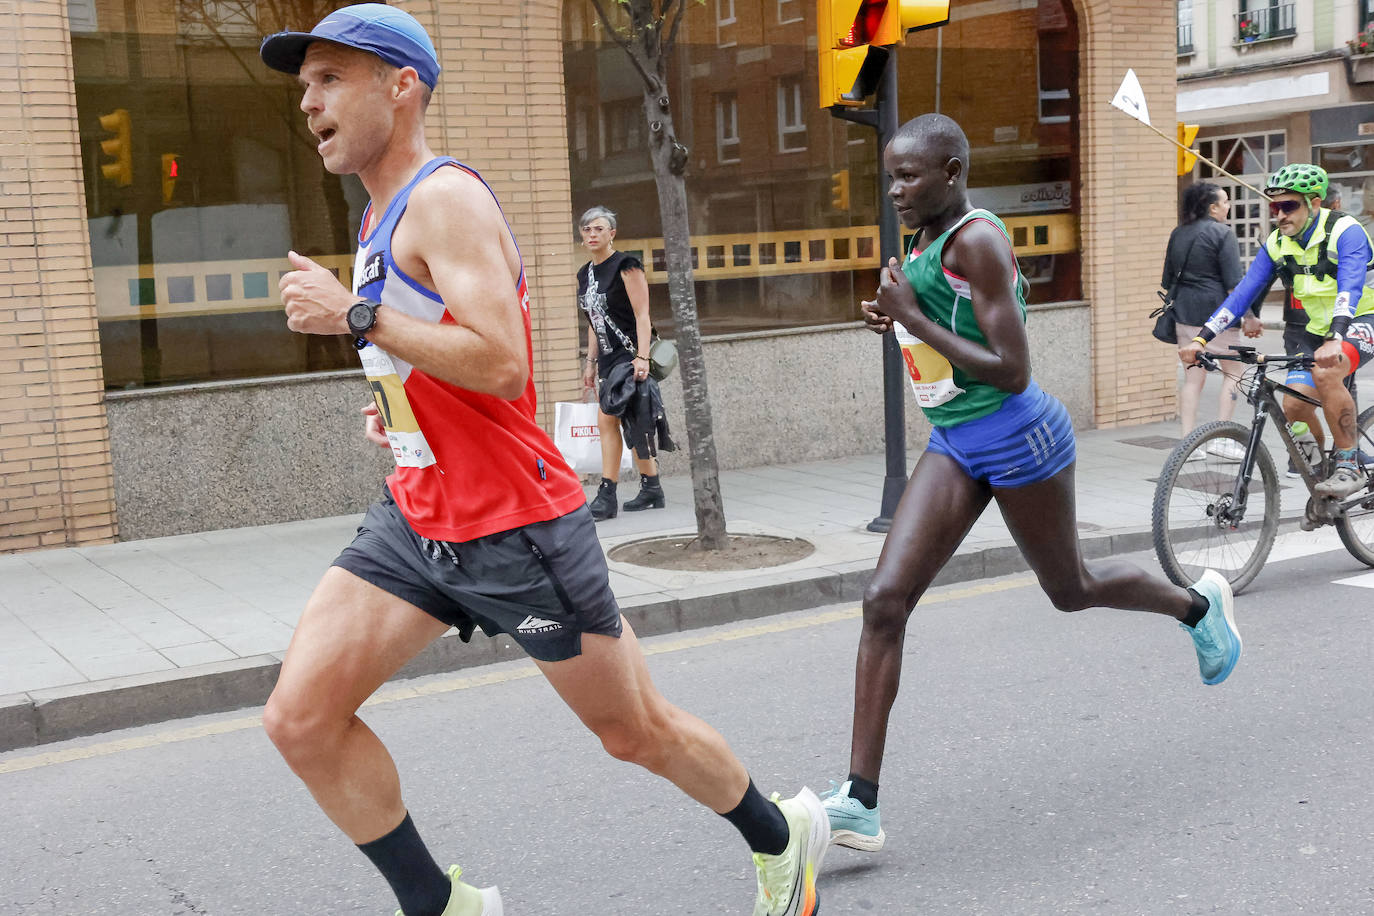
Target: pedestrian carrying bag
[
  {"x": 1166, "y": 322},
  {"x": 579, "y": 438}
]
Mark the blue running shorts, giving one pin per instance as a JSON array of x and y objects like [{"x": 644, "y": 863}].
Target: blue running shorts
[{"x": 1026, "y": 440}]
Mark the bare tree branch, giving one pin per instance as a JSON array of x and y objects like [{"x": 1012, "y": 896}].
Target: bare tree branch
[
  {"x": 651, "y": 81},
  {"x": 677, "y": 23}
]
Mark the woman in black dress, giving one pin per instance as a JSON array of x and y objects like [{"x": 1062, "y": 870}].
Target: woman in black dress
[{"x": 612, "y": 290}]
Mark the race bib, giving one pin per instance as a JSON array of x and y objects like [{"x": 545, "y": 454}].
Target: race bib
[
  {"x": 932, "y": 376},
  {"x": 408, "y": 445}
]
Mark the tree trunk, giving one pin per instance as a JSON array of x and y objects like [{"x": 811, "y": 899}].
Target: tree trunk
[{"x": 669, "y": 158}]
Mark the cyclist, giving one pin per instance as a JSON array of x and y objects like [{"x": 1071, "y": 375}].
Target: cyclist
[{"x": 1322, "y": 256}]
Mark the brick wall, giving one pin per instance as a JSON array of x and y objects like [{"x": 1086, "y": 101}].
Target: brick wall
[
  {"x": 1129, "y": 205},
  {"x": 500, "y": 108},
  {"x": 55, "y": 477}
]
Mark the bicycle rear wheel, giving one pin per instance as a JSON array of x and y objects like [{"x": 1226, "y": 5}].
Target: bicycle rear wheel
[
  {"x": 1356, "y": 526},
  {"x": 1191, "y": 522}
]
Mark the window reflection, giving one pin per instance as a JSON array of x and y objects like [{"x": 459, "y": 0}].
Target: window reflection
[
  {"x": 779, "y": 244},
  {"x": 223, "y": 179}
]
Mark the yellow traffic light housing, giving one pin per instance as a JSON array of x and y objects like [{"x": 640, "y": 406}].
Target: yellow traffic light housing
[
  {"x": 119, "y": 148},
  {"x": 169, "y": 176},
  {"x": 1187, "y": 133},
  {"x": 839, "y": 189},
  {"x": 852, "y": 38},
  {"x": 915, "y": 15}
]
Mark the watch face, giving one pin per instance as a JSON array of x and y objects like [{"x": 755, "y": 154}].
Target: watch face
[{"x": 360, "y": 317}]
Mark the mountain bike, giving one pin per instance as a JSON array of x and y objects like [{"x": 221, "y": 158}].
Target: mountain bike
[{"x": 1212, "y": 513}]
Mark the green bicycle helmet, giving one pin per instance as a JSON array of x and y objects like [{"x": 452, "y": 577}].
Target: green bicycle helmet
[{"x": 1301, "y": 178}]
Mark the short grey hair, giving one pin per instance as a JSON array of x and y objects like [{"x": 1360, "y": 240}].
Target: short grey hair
[{"x": 597, "y": 213}]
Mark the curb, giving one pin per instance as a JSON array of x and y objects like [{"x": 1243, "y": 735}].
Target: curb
[{"x": 78, "y": 710}]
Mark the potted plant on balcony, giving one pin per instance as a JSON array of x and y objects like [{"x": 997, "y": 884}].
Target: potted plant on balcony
[
  {"x": 1360, "y": 64},
  {"x": 1249, "y": 30},
  {"x": 1363, "y": 42}
]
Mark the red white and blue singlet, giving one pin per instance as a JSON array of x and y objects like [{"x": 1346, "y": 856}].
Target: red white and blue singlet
[{"x": 467, "y": 464}]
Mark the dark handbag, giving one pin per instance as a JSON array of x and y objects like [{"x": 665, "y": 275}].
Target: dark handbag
[
  {"x": 662, "y": 358},
  {"x": 1166, "y": 322}
]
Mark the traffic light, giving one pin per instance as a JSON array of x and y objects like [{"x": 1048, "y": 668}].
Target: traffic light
[
  {"x": 169, "y": 176},
  {"x": 853, "y": 37},
  {"x": 1187, "y": 133},
  {"x": 839, "y": 189},
  {"x": 119, "y": 148}
]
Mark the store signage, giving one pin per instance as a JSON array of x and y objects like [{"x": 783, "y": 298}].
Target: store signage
[{"x": 1024, "y": 198}]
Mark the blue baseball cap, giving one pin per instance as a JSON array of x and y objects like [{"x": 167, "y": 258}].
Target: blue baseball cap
[{"x": 392, "y": 34}]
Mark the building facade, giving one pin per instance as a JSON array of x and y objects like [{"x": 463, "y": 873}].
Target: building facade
[
  {"x": 155, "y": 173},
  {"x": 1277, "y": 81}
]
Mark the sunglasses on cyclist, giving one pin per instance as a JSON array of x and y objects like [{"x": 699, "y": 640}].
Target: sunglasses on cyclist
[{"x": 1283, "y": 206}]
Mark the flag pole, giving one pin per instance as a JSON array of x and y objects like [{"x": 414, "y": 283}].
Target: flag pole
[
  {"x": 1130, "y": 99},
  {"x": 1193, "y": 152}
]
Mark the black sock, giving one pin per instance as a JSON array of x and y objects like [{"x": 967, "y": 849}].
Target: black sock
[
  {"x": 1198, "y": 610},
  {"x": 420, "y": 886},
  {"x": 760, "y": 822},
  {"x": 863, "y": 791}
]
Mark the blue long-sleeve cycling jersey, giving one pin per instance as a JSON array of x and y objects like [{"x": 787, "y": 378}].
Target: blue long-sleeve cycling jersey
[{"x": 1352, "y": 258}]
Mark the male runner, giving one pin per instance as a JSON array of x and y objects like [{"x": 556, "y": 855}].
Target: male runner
[
  {"x": 482, "y": 524},
  {"x": 958, "y": 307},
  {"x": 1323, "y": 257}
]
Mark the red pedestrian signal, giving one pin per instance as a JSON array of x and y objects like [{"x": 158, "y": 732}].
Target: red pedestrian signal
[{"x": 852, "y": 38}]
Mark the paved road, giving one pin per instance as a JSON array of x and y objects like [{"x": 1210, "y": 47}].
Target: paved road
[{"x": 1041, "y": 764}]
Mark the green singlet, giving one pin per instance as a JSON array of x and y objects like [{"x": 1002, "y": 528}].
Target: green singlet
[{"x": 948, "y": 395}]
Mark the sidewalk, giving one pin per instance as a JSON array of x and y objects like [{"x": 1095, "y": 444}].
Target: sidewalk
[{"x": 98, "y": 638}]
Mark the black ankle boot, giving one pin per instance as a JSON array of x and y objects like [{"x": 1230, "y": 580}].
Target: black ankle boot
[
  {"x": 605, "y": 505},
  {"x": 650, "y": 495}
]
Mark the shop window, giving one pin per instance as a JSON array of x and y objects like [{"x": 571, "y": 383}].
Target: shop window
[
  {"x": 189, "y": 233},
  {"x": 775, "y": 246},
  {"x": 1350, "y": 167}
]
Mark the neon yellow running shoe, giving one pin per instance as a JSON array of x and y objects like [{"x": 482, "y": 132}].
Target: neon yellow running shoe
[
  {"x": 787, "y": 881},
  {"x": 467, "y": 900}
]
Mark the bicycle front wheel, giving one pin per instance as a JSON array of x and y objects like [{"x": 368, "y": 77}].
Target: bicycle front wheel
[
  {"x": 1196, "y": 524},
  {"x": 1356, "y": 525}
]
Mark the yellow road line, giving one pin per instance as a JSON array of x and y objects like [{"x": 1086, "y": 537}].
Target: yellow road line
[{"x": 395, "y": 694}]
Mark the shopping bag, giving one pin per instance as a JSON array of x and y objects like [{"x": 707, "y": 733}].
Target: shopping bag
[
  {"x": 576, "y": 435},
  {"x": 578, "y": 438}
]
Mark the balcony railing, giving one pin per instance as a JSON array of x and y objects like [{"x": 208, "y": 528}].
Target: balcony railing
[
  {"x": 1277, "y": 20},
  {"x": 1185, "y": 38}
]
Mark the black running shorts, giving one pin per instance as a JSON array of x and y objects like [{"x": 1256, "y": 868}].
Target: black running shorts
[{"x": 544, "y": 584}]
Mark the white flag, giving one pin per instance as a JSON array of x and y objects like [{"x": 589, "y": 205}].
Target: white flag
[{"x": 1130, "y": 98}]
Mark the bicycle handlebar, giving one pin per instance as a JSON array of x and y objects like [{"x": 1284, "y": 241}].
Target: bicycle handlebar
[{"x": 1252, "y": 357}]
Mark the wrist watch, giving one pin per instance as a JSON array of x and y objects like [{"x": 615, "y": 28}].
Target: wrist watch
[
  {"x": 362, "y": 317},
  {"x": 1335, "y": 335}
]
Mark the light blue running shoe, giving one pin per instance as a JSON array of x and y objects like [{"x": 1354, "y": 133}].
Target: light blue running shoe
[
  {"x": 1215, "y": 637},
  {"x": 851, "y": 824}
]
